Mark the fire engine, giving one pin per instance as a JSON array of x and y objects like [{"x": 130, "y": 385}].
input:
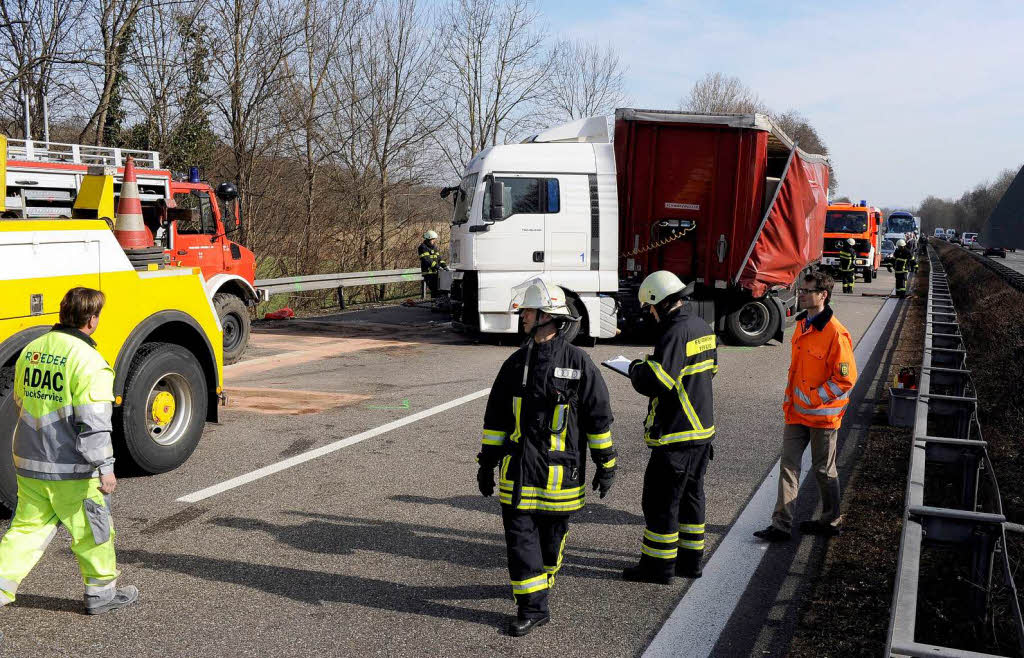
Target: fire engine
[{"x": 190, "y": 223}]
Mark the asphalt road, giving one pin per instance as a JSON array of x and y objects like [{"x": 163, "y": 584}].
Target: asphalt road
[{"x": 384, "y": 547}]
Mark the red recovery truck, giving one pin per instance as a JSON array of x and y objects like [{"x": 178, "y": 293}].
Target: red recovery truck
[
  {"x": 189, "y": 226},
  {"x": 726, "y": 201}
]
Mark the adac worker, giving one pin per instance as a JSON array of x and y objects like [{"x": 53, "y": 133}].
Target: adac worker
[
  {"x": 679, "y": 430},
  {"x": 548, "y": 404},
  {"x": 63, "y": 456},
  {"x": 847, "y": 255},
  {"x": 430, "y": 261},
  {"x": 901, "y": 259},
  {"x": 822, "y": 374}
]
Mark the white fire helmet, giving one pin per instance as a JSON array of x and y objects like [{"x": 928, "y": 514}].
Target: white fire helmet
[
  {"x": 659, "y": 285},
  {"x": 901, "y": 243},
  {"x": 537, "y": 294},
  {"x": 430, "y": 235}
]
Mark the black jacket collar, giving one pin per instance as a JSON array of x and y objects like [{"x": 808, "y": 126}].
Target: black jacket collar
[
  {"x": 820, "y": 320},
  {"x": 71, "y": 331}
]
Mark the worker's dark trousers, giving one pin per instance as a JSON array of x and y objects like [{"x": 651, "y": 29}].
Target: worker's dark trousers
[
  {"x": 673, "y": 505},
  {"x": 901, "y": 283},
  {"x": 431, "y": 279},
  {"x": 847, "y": 278},
  {"x": 535, "y": 544}
]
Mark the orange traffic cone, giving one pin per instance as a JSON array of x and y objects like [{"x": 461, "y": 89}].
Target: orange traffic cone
[{"x": 129, "y": 228}]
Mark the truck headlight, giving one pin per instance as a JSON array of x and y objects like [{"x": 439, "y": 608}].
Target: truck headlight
[{"x": 861, "y": 261}]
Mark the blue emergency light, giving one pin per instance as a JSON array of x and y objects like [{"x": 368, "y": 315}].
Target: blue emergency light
[
  {"x": 863, "y": 202},
  {"x": 193, "y": 174}
]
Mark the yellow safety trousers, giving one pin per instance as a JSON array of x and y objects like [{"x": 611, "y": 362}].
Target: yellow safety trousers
[{"x": 42, "y": 504}]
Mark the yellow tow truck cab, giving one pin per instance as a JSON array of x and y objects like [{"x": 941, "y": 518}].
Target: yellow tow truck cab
[{"x": 158, "y": 329}]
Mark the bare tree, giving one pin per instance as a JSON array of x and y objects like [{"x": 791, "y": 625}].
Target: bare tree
[
  {"x": 247, "y": 73},
  {"x": 494, "y": 65},
  {"x": 799, "y": 128},
  {"x": 717, "y": 93},
  {"x": 586, "y": 80},
  {"x": 36, "y": 46},
  {"x": 114, "y": 21}
]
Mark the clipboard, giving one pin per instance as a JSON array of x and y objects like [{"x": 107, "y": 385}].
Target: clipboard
[{"x": 619, "y": 364}]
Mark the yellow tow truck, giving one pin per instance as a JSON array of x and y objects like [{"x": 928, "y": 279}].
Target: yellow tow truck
[{"x": 158, "y": 329}]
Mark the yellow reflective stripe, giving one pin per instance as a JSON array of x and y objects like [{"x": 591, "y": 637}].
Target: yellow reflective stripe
[
  {"x": 536, "y": 492},
  {"x": 598, "y": 441},
  {"x": 517, "y": 407},
  {"x": 609, "y": 464},
  {"x": 534, "y": 584},
  {"x": 554, "y": 478},
  {"x": 664, "y": 539},
  {"x": 661, "y": 374},
  {"x": 702, "y": 344},
  {"x": 528, "y": 504},
  {"x": 691, "y": 528},
  {"x": 551, "y": 571},
  {"x": 694, "y": 435},
  {"x": 698, "y": 367},
  {"x": 666, "y": 554},
  {"x": 494, "y": 437},
  {"x": 504, "y": 467},
  {"x": 692, "y": 545},
  {"x": 691, "y": 413}
]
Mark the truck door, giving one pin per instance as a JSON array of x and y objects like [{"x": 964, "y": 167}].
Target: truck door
[
  {"x": 192, "y": 232},
  {"x": 567, "y": 223},
  {"x": 515, "y": 242}
]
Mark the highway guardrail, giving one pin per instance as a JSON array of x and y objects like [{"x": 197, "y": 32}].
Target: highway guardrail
[{"x": 338, "y": 281}]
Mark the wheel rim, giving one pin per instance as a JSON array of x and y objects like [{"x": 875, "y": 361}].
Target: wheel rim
[
  {"x": 754, "y": 319},
  {"x": 168, "y": 409},
  {"x": 232, "y": 331}
]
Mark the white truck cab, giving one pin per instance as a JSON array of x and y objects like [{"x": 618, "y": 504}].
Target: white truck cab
[{"x": 557, "y": 217}]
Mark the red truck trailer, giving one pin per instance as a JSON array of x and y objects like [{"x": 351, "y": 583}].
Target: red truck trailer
[{"x": 728, "y": 202}]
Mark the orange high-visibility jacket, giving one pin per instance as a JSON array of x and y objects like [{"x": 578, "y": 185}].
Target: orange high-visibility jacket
[{"x": 822, "y": 372}]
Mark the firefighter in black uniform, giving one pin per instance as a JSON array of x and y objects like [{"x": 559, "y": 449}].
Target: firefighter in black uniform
[
  {"x": 846, "y": 257},
  {"x": 547, "y": 405},
  {"x": 430, "y": 261},
  {"x": 912, "y": 248},
  {"x": 901, "y": 259},
  {"x": 679, "y": 429}
]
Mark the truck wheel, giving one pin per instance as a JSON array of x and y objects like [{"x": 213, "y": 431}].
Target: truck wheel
[
  {"x": 234, "y": 319},
  {"x": 8, "y": 419},
  {"x": 164, "y": 410},
  {"x": 569, "y": 330},
  {"x": 754, "y": 323},
  {"x": 868, "y": 275}
]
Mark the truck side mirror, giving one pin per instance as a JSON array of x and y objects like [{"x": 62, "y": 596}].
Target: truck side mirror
[{"x": 497, "y": 210}]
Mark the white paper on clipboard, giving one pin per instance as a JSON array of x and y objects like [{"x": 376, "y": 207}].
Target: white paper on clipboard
[{"x": 619, "y": 364}]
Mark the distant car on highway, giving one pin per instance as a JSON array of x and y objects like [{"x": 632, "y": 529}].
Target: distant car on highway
[
  {"x": 970, "y": 240},
  {"x": 887, "y": 249},
  {"x": 995, "y": 251},
  {"x": 940, "y": 233},
  {"x": 950, "y": 234}
]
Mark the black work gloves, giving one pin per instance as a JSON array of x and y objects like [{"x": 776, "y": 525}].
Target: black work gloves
[
  {"x": 603, "y": 479},
  {"x": 632, "y": 364},
  {"x": 485, "y": 479}
]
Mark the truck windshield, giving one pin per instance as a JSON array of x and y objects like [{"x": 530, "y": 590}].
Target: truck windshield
[
  {"x": 900, "y": 224},
  {"x": 464, "y": 199},
  {"x": 846, "y": 221}
]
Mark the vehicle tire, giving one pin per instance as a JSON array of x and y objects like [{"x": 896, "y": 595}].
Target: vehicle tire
[
  {"x": 164, "y": 410},
  {"x": 570, "y": 330},
  {"x": 753, "y": 323},
  {"x": 234, "y": 319},
  {"x": 8, "y": 418},
  {"x": 868, "y": 275}
]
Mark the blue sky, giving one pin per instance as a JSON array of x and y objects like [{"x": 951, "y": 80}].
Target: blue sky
[{"x": 912, "y": 98}]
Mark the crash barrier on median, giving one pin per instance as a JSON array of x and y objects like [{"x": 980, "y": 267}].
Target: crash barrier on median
[
  {"x": 947, "y": 438},
  {"x": 338, "y": 281},
  {"x": 1008, "y": 274}
]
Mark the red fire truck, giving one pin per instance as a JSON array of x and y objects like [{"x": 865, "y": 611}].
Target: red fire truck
[{"x": 189, "y": 221}]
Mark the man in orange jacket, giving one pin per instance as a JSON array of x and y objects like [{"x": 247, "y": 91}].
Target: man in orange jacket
[{"x": 822, "y": 374}]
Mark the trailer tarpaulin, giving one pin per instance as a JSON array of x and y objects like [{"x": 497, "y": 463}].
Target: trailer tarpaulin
[{"x": 792, "y": 230}]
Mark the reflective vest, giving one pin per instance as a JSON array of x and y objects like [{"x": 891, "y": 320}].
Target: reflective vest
[
  {"x": 64, "y": 390},
  {"x": 846, "y": 257},
  {"x": 677, "y": 379},
  {"x": 822, "y": 372},
  {"x": 538, "y": 429},
  {"x": 430, "y": 258}
]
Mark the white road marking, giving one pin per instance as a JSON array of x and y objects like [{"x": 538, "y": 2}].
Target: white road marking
[
  {"x": 327, "y": 449},
  {"x": 695, "y": 626}
]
